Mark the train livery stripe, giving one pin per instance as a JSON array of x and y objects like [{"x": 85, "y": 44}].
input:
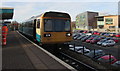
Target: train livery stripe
[{"x": 38, "y": 37}]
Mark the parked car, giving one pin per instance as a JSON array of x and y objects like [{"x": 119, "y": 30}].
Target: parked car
[
  {"x": 107, "y": 59},
  {"x": 82, "y": 36},
  {"x": 85, "y": 31},
  {"x": 95, "y": 32},
  {"x": 112, "y": 34},
  {"x": 77, "y": 35},
  {"x": 95, "y": 40},
  {"x": 71, "y": 47},
  {"x": 85, "y": 50},
  {"x": 90, "y": 38},
  {"x": 117, "y": 64},
  {"x": 107, "y": 34},
  {"x": 85, "y": 38},
  {"x": 115, "y": 39},
  {"x": 81, "y": 31},
  {"x": 102, "y": 33},
  {"x": 95, "y": 54},
  {"x": 117, "y": 35},
  {"x": 74, "y": 34},
  {"x": 88, "y": 34},
  {"x": 108, "y": 38},
  {"x": 101, "y": 41},
  {"x": 102, "y": 37},
  {"x": 108, "y": 43}
]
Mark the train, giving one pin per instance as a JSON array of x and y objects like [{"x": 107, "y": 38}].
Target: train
[{"x": 48, "y": 28}]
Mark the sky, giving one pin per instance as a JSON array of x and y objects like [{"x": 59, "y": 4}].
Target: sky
[{"x": 23, "y": 10}]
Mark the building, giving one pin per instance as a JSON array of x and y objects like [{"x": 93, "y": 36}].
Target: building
[
  {"x": 109, "y": 23},
  {"x": 86, "y": 20},
  {"x": 73, "y": 24}
]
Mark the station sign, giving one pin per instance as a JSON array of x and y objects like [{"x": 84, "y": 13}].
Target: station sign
[{"x": 6, "y": 13}]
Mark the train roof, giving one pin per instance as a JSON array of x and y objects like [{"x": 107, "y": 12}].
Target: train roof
[{"x": 51, "y": 14}]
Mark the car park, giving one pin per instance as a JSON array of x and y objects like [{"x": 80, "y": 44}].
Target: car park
[
  {"x": 117, "y": 64},
  {"x": 108, "y": 43},
  {"x": 108, "y": 59},
  {"x": 95, "y": 54}
]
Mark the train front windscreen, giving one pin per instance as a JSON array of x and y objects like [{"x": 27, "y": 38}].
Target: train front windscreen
[{"x": 57, "y": 25}]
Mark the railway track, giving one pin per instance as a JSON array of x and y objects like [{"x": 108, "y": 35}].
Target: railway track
[{"x": 75, "y": 63}]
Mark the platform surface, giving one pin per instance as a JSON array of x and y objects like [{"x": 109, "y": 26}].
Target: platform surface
[{"x": 19, "y": 53}]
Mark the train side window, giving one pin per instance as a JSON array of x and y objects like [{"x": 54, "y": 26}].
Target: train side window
[{"x": 38, "y": 23}]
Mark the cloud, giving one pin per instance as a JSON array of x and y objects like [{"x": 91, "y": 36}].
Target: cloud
[{"x": 60, "y": 0}]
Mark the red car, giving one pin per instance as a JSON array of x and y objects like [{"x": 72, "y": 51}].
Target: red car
[
  {"x": 88, "y": 40},
  {"x": 107, "y": 59},
  {"x": 95, "y": 40},
  {"x": 115, "y": 39},
  {"x": 85, "y": 31},
  {"x": 95, "y": 33},
  {"x": 98, "y": 33},
  {"x": 117, "y": 35}
]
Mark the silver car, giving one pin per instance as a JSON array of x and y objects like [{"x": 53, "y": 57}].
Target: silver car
[
  {"x": 101, "y": 41},
  {"x": 108, "y": 43},
  {"x": 117, "y": 64}
]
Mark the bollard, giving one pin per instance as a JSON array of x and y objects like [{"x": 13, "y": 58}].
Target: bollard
[
  {"x": 109, "y": 58},
  {"x": 74, "y": 46},
  {"x": 83, "y": 50},
  {"x": 94, "y": 53}
]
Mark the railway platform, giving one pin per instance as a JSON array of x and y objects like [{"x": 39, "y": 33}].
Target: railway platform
[{"x": 21, "y": 53}]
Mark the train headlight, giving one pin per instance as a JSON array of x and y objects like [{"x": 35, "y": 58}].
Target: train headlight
[
  {"x": 68, "y": 34},
  {"x": 47, "y": 35}
]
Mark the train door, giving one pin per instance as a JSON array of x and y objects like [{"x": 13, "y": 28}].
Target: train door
[
  {"x": 34, "y": 29},
  {"x": 38, "y": 36}
]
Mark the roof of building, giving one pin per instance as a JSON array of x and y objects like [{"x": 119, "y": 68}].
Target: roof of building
[{"x": 106, "y": 15}]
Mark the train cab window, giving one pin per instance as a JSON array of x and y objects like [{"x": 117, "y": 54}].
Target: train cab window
[
  {"x": 38, "y": 23},
  {"x": 58, "y": 25},
  {"x": 48, "y": 25},
  {"x": 67, "y": 25}
]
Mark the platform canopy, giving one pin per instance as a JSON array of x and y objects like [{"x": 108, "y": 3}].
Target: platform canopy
[{"x": 6, "y": 13}]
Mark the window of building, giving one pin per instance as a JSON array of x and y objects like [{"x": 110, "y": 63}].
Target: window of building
[
  {"x": 100, "y": 19},
  {"x": 101, "y": 26},
  {"x": 109, "y": 21},
  {"x": 111, "y": 26},
  {"x": 38, "y": 23}
]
